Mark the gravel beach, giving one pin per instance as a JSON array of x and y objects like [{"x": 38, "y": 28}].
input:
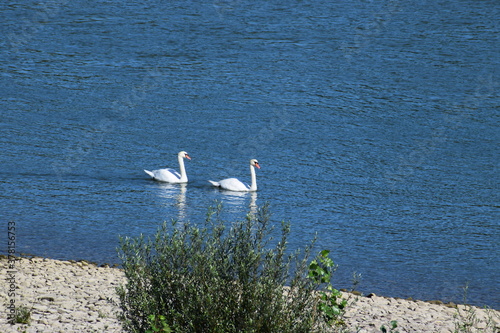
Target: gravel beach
[{"x": 68, "y": 296}]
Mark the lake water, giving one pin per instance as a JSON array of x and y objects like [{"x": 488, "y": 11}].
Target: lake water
[{"x": 375, "y": 123}]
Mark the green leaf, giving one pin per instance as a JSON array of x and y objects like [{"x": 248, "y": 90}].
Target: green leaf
[{"x": 324, "y": 253}]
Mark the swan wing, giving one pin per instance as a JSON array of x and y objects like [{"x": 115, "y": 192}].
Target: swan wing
[
  {"x": 165, "y": 175},
  {"x": 233, "y": 184}
]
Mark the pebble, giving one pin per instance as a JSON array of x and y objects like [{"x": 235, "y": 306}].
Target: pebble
[
  {"x": 63, "y": 296},
  {"x": 69, "y": 296}
]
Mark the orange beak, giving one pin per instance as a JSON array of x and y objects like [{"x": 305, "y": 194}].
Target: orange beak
[
  {"x": 257, "y": 165},
  {"x": 187, "y": 156}
]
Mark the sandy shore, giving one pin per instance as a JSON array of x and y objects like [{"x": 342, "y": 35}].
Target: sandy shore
[{"x": 78, "y": 297}]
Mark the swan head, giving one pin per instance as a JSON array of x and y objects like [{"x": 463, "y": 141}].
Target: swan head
[
  {"x": 183, "y": 154},
  {"x": 255, "y": 163}
]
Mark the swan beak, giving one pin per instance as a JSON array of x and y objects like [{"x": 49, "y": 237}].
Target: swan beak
[
  {"x": 257, "y": 165},
  {"x": 187, "y": 156}
]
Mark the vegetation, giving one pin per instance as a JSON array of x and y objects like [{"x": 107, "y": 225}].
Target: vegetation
[
  {"x": 392, "y": 328},
  {"x": 331, "y": 305},
  {"x": 158, "y": 324},
  {"x": 23, "y": 315},
  {"x": 225, "y": 278},
  {"x": 466, "y": 320}
]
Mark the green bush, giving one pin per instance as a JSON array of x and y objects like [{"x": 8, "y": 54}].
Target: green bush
[
  {"x": 331, "y": 304},
  {"x": 218, "y": 278}
]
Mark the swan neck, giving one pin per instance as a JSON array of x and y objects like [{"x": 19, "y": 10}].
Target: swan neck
[
  {"x": 253, "y": 186},
  {"x": 182, "y": 168}
]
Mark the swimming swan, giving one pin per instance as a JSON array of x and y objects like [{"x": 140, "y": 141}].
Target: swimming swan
[
  {"x": 170, "y": 175},
  {"x": 233, "y": 184}
]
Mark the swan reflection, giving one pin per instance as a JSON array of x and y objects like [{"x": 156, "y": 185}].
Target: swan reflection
[
  {"x": 173, "y": 198},
  {"x": 238, "y": 200},
  {"x": 176, "y": 194}
]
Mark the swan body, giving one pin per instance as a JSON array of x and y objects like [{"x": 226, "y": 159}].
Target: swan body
[
  {"x": 234, "y": 184},
  {"x": 170, "y": 175}
]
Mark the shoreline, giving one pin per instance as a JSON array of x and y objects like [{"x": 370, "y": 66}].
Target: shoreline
[
  {"x": 78, "y": 296},
  {"x": 343, "y": 290}
]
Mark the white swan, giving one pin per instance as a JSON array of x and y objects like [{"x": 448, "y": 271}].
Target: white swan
[
  {"x": 233, "y": 184},
  {"x": 170, "y": 175}
]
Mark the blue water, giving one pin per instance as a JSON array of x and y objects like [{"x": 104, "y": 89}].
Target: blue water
[{"x": 376, "y": 126}]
